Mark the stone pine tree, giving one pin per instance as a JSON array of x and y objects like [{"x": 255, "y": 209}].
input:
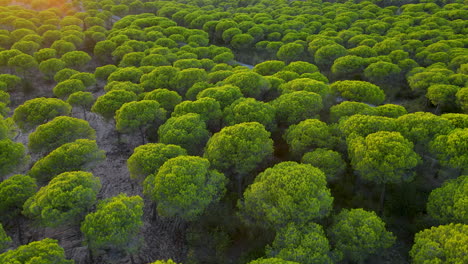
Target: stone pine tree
[
  {"x": 115, "y": 225},
  {"x": 237, "y": 150},
  {"x": 383, "y": 157}
]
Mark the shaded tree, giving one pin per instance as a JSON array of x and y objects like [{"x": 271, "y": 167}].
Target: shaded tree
[
  {"x": 61, "y": 130},
  {"x": 44, "y": 251},
  {"x": 328, "y": 161},
  {"x": 250, "y": 110},
  {"x": 64, "y": 200},
  {"x": 294, "y": 107},
  {"x": 13, "y": 155},
  {"x": 447, "y": 204},
  {"x": 115, "y": 225},
  {"x": 107, "y": 104},
  {"x": 451, "y": 149},
  {"x": 82, "y": 154},
  {"x": 358, "y": 91},
  {"x": 67, "y": 87},
  {"x": 357, "y": 233},
  {"x": 38, "y": 111},
  {"x": 383, "y": 157},
  {"x": 146, "y": 159},
  {"x": 184, "y": 186},
  {"x": 188, "y": 131},
  {"x": 139, "y": 116},
  {"x": 288, "y": 192},
  {"x": 237, "y": 150},
  {"x": 5, "y": 240},
  {"x": 439, "y": 244},
  {"x": 83, "y": 100},
  {"x": 307, "y": 135}
]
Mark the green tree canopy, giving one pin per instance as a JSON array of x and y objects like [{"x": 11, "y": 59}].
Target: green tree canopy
[
  {"x": 307, "y": 135},
  {"x": 50, "y": 67},
  {"x": 441, "y": 244},
  {"x": 76, "y": 59},
  {"x": 294, "y": 107},
  {"x": 61, "y": 130},
  {"x": 82, "y": 154},
  {"x": 359, "y": 91},
  {"x": 237, "y": 150},
  {"x": 115, "y": 224},
  {"x": 225, "y": 94},
  {"x": 208, "y": 108},
  {"x": 451, "y": 149},
  {"x": 357, "y": 233},
  {"x": 83, "y": 100},
  {"x": 328, "y": 161},
  {"x": 363, "y": 125},
  {"x": 250, "y": 83},
  {"x": 184, "y": 186},
  {"x": 107, "y": 104},
  {"x": 288, "y": 192},
  {"x": 447, "y": 204},
  {"x": 306, "y": 84},
  {"x": 146, "y": 159},
  {"x": 64, "y": 200},
  {"x": 271, "y": 261},
  {"x": 250, "y": 110},
  {"x": 5, "y": 240},
  {"x": 139, "y": 116},
  {"x": 305, "y": 244},
  {"x": 44, "y": 251},
  {"x": 188, "y": 131},
  {"x": 14, "y": 192},
  {"x": 383, "y": 157},
  {"x": 38, "y": 111},
  {"x": 12, "y": 156},
  {"x": 167, "y": 99}
]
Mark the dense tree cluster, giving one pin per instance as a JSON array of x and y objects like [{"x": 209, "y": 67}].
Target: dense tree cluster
[{"x": 262, "y": 131}]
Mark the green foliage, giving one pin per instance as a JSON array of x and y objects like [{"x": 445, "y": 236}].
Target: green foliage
[
  {"x": 447, "y": 204},
  {"x": 208, "y": 108},
  {"x": 64, "y": 200},
  {"x": 306, "y": 84},
  {"x": 15, "y": 191},
  {"x": 82, "y": 99},
  {"x": 225, "y": 94},
  {"x": 272, "y": 261},
  {"x": 160, "y": 77},
  {"x": 50, "y": 67},
  {"x": 307, "y": 135},
  {"x": 187, "y": 78},
  {"x": 462, "y": 99},
  {"x": 441, "y": 244},
  {"x": 126, "y": 86},
  {"x": 76, "y": 59},
  {"x": 346, "y": 109},
  {"x": 457, "y": 120},
  {"x": 60, "y": 130},
  {"x": 250, "y": 83},
  {"x": 115, "y": 224},
  {"x": 286, "y": 193},
  {"x": 38, "y": 252},
  {"x": 169, "y": 261},
  {"x": 442, "y": 94},
  {"x": 139, "y": 116},
  {"x": 290, "y": 52},
  {"x": 184, "y": 186},
  {"x": 82, "y": 154},
  {"x": 363, "y": 125},
  {"x": 305, "y": 244},
  {"x": 326, "y": 55},
  {"x": 5, "y": 240},
  {"x": 358, "y": 91},
  {"x": 107, "y": 104},
  {"x": 188, "y": 131},
  {"x": 12, "y": 156},
  {"x": 67, "y": 87},
  {"x": 87, "y": 78},
  {"x": 130, "y": 74},
  {"x": 269, "y": 67},
  {"x": 11, "y": 81},
  {"x": 383, "y": 157},
  {"x": 166, "y": 99},
  {"x": 64, "y": 74},
  {"x": 23, "y": 64},
  {"x": 422, "y": 127},
  {"x": 328, "y": 161},
  {"x": 38, "y": 111},
  {"x": 146, "y": 159},
  {"x": 103, "y": 72},
  {"x": 357, "y": 233},
  {"x": 294, "y": 107},
  {"x": 451, "y": 149},
  {"x": 250, "y": 110},
  {"x": 239, "y": 149}
]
